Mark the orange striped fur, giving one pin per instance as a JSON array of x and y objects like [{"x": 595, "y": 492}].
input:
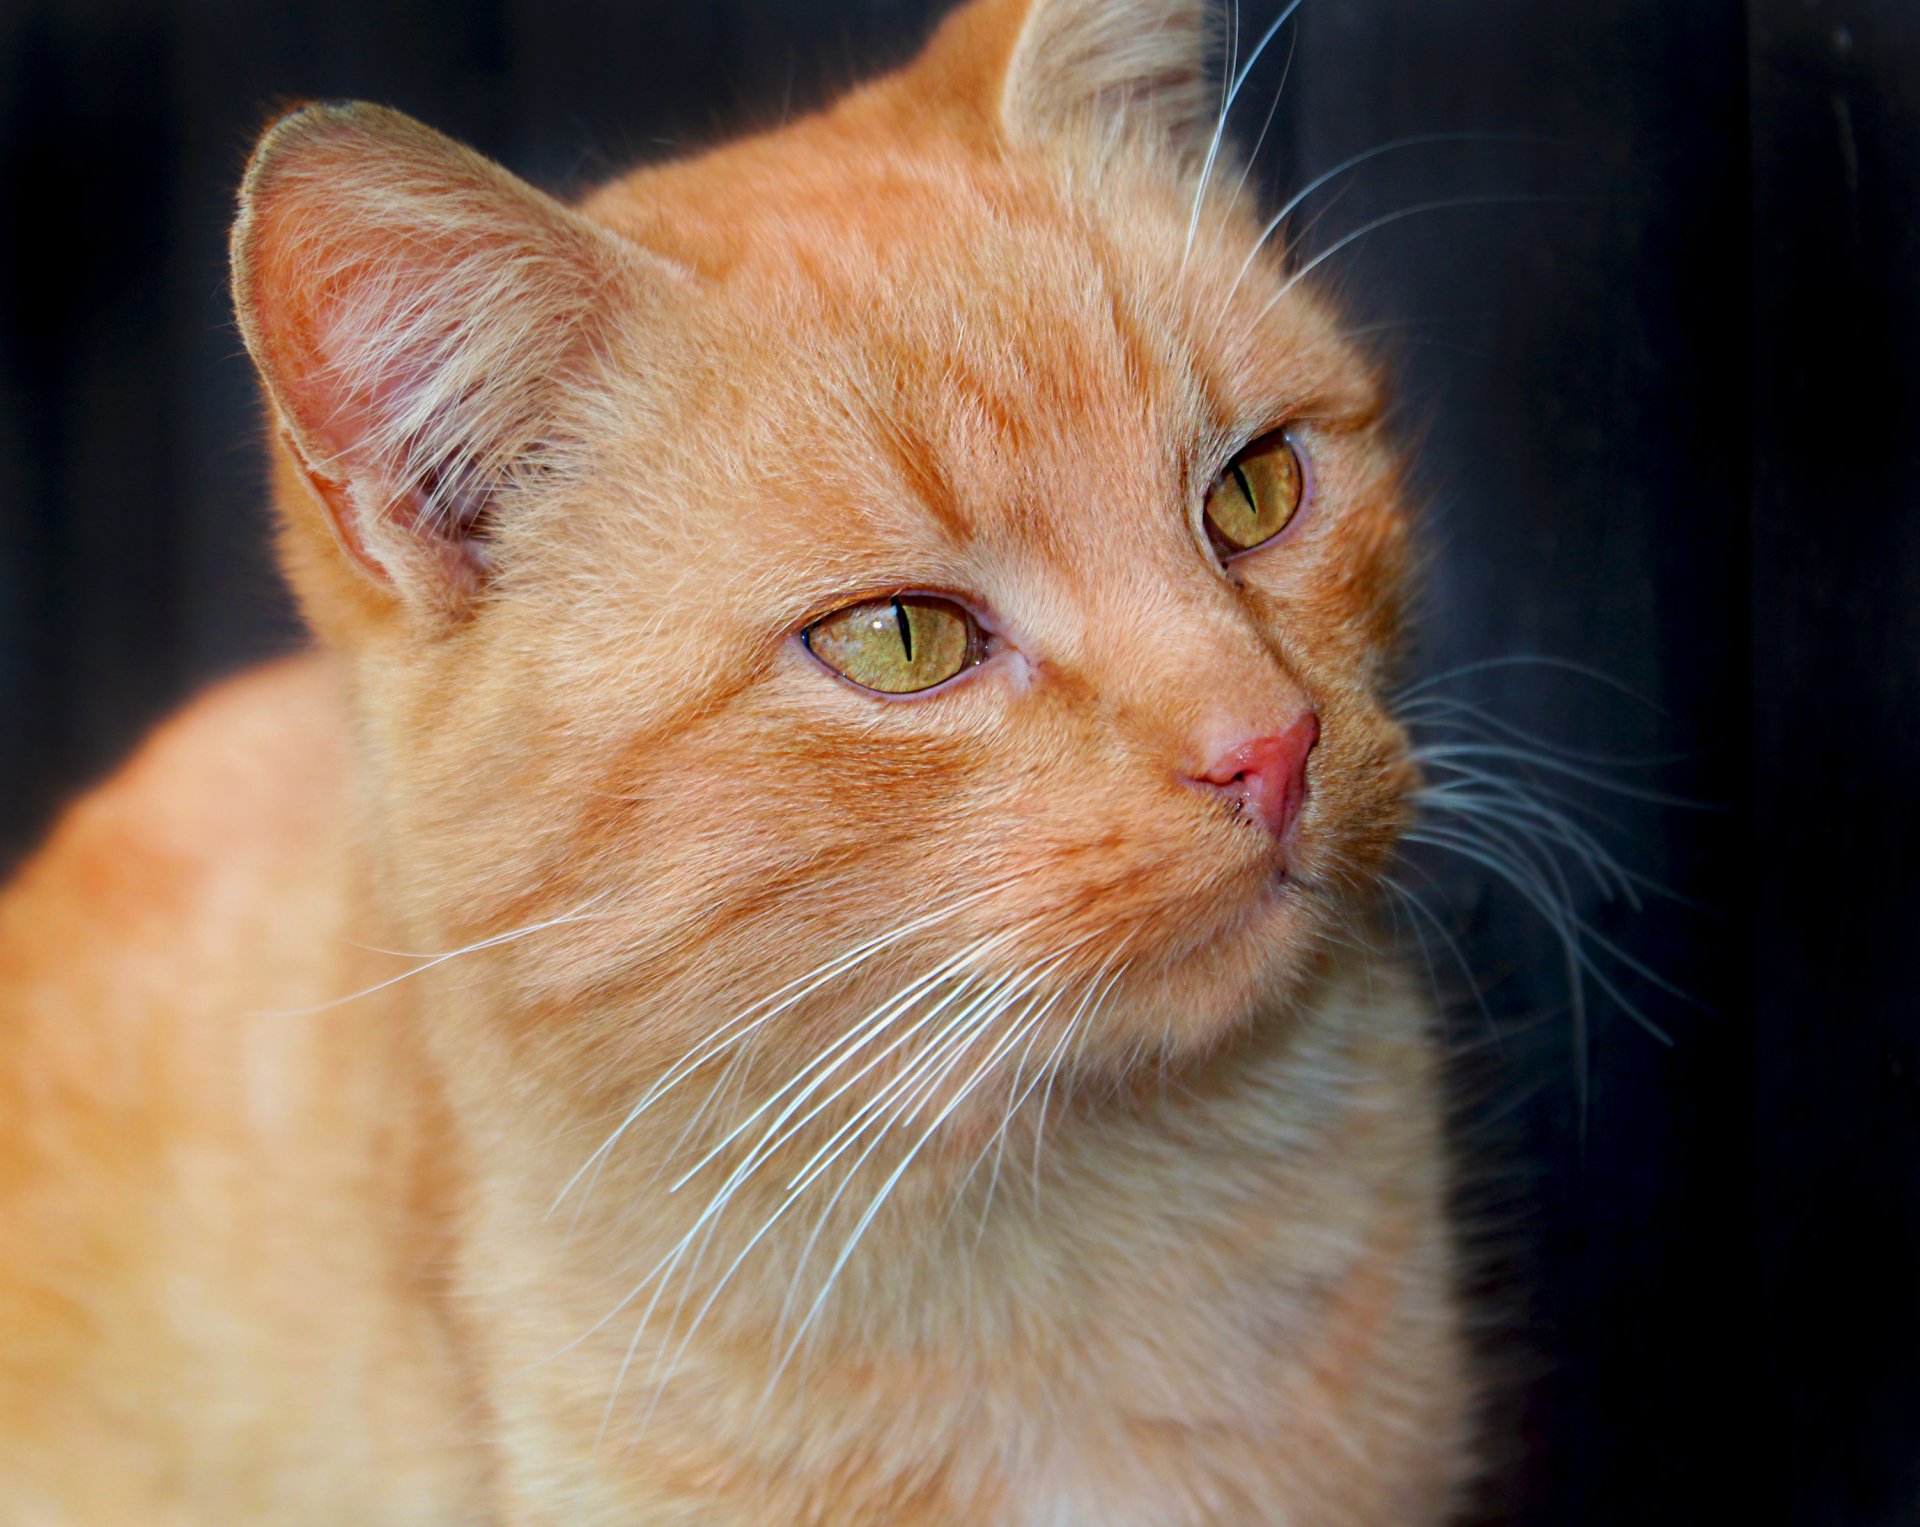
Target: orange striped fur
[{"x": 324, "y": 1196}]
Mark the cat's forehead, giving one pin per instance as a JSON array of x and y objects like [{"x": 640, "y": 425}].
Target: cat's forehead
[
  {"x": 962, "y": 326},
  {"x": 868, "y": 215},
  {"x": 916, "y": 252}
]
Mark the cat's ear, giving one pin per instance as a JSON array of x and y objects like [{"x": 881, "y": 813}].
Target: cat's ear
[
  {"x": 416, "y": 313},
  {"x": 1105, "y": 69}
]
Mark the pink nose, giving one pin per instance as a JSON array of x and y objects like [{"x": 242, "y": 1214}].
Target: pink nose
[{"x": 1268, "y": 774}]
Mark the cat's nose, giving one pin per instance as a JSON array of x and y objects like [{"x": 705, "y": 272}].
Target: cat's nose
[{"x": 1267, "y": 774}]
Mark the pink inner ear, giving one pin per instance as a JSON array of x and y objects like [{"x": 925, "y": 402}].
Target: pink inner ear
[
  {"x": 366, "y": 387},
  {"x": 377, "y": 450},
  {"x": 411, "y": 307},
  {"x": 413, "y": 407}
]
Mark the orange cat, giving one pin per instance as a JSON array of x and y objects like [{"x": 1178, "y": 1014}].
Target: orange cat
[{"x": 791, "y": 958}]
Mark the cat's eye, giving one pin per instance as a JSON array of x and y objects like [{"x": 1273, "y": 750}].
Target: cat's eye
[
  {"x": 898, "y": 645},
  {"x": 1256, "y": 497}
]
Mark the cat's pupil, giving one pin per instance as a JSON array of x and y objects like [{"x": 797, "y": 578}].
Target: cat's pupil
[{"x": 906, "y": 628}]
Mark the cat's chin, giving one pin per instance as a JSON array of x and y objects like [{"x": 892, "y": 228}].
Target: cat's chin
[
  {"x": 1214, "y": 985},
  {"x": 1183, "y": 1029}
]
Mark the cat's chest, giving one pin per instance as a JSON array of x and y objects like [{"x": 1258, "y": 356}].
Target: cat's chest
[
  {"x": 1158, "y": 1437},
  {"x": 1078, "y": 1489},
  {"x": 1169, "y": 1471}
]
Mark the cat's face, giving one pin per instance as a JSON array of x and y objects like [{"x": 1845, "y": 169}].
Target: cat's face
[{"x": 898, "y": 351}]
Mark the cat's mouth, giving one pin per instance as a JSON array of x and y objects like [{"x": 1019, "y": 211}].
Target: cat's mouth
[
  {"x": 1191, "y": 982},
  {"x": 1272, "y": 911}
]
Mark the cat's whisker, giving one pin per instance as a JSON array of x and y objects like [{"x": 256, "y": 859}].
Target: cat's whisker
[
  {"x": 1415, "y": 905},
  {"x": 1386, "y": 220},
  {"x": 1083, "y": 1014},
  {"x": 973, "y": 956},
  {"x": 1353, "y": 162},
  {"x": 1454, "y": 775},
  {"x": 1500, "y": 803},
  {"x": 1531, "y": 809},
  {"x": 856, "y": 1125},
  {"x": 1521, "y": 660},
  {"x": 846, "y": 1135},
  {"x": 761, "y": 1013},
  {"x": 1441, "y": 752},
  {"x": 704, "y": 1224},
  {"x": 662, "y": 1270},
  {"x": 666, "y": 1363},
  {"x": 904, "y": 1097},
  {"x": 1047, "y": 1071},
  {"x": 912, "y": 1084},
  {"x": 1232, "y": 63},
  {"x": 1388, "y": 325},
  {"x": 886, "y": 1189},
  {"x": 665, "y": 1275},
  {"x": 1577, "y": 964},
  {"x": 965, "y": 1023},
  {"x": 432, "y": 962},
  {"x": 1446, "y": 711},
  {"x": 1574, "y": 931},
  {"x": 1451, "y": 777},
  {"x": 844, "y": 964},
  {"x": 904, "y": 1092},
  {"x": 842, "y": 1050},
  {"x": 938, "y": 1063},
  {"x": 1038, "y": 1006},
  {"x": 709, "y": 1216},
  {"x": 1220, "y": 127},
  {"x": 1252, "y": 155},
  {"x": 734, "y": 1070},
  {"x": 1017, "y": 1097},
  {"x": 1484, "y": 804},
  {"x": 731, "y": 1074},
  {"x": 1524, "y": 857}
]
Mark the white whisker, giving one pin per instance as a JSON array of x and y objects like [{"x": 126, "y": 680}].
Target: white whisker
[
  {"x": 1441, "y": 204},
  {"x": 886, "y": 1189},
  {"x": 1082, "y": 1015},
  {"x": 1353, "y": 162},
  {"x": 432, "y": 961},
  {"x": 1220, "y": 127},
  {"x": 768, "y": 1008},
  {"x": 1523, "y": 660}
]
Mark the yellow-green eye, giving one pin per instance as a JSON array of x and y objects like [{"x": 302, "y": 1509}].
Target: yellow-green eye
[
  {"x": 899, "y": 645},
  {"x": 1256, "y": 497}
]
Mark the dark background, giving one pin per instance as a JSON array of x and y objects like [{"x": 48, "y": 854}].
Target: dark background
[{"x": 1665, "y": 421}]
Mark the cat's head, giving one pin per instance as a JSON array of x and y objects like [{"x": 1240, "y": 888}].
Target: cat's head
[{"x": 926, "y": 554}]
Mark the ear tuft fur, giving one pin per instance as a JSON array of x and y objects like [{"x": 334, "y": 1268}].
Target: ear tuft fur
[
  {"x": 413, "y": 310},
  {"x": 1106, "y": 68}
]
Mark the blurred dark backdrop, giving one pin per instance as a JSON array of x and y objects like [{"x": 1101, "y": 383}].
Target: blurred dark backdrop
[{"x": 1663, "y": 414}]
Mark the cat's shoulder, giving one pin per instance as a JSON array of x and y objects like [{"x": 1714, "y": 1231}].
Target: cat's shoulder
[
  {"x": 239, "y": 778},
  {"x": 187, "y": 1116},
  {"x": 179, "y": 888}
]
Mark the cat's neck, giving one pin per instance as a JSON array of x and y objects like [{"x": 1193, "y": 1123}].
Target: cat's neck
[{"x": 603, "y": 1290}]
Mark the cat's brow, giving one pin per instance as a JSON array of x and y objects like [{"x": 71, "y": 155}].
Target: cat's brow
[{"x": 912, "y": 455}]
